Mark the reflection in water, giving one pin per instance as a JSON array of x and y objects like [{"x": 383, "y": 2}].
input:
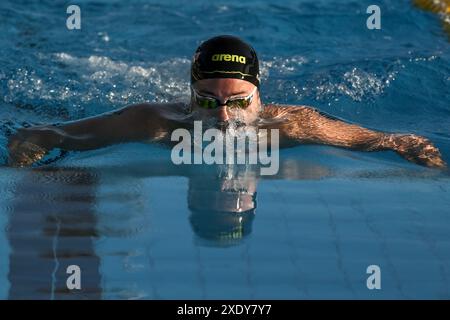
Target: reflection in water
[
  {"x": 222, "y": 199},
  {"x": 223, "y": 205},
  {"x": 53, "y": 221},
  {"x": 52, "y": 225}
]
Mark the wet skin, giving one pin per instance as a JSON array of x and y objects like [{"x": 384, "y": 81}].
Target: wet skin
[{"x": 155, "y": 122}]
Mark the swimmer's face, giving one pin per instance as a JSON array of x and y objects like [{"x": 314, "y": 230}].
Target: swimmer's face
[{"x": 223, "y": 90}]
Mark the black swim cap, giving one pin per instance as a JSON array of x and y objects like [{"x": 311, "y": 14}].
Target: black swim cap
[{"x": 225, "y": 57}]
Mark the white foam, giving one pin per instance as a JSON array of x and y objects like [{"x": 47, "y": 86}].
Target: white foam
[
  {"x": 83, "y": 86},
  {"x": 356, "y": 83}
]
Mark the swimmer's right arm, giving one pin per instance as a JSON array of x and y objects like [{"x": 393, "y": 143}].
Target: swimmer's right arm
[
  {"x": 309, "y": 125},
  {"x": 132, "y": 123}
]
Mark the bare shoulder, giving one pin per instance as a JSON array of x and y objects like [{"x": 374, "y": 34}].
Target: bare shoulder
[
  {"x": 295, "y": 112},
  {"x": 288, "y": 112},
  {"x": 296, "y": 122},
  {"x": 154, "y": 113}
]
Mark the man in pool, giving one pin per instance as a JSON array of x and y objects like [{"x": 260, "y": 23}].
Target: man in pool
[{"x": 224, "y": 90}]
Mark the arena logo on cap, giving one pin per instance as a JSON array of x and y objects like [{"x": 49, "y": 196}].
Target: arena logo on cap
[{"x": 228, "y": 57}]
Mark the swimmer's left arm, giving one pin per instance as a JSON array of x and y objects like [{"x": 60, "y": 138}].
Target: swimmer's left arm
[{"x": 313, "y": 126}]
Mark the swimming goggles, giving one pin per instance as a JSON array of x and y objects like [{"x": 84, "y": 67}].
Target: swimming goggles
[{"x": 208, "y": 102}]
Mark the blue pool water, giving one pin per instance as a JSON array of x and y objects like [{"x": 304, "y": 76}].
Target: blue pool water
[{"x": 139, "y": 227}]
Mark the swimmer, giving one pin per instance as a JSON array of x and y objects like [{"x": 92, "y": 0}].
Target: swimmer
[{"x": 225, "y": 87}]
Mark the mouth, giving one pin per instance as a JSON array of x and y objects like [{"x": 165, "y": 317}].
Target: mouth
[{"x": 231, "y": 124}]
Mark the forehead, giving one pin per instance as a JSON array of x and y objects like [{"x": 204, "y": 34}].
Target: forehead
[{"x": 224, "y": 86}]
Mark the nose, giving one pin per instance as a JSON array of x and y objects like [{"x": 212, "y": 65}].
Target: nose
[{"x": 223, "y": 114}]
